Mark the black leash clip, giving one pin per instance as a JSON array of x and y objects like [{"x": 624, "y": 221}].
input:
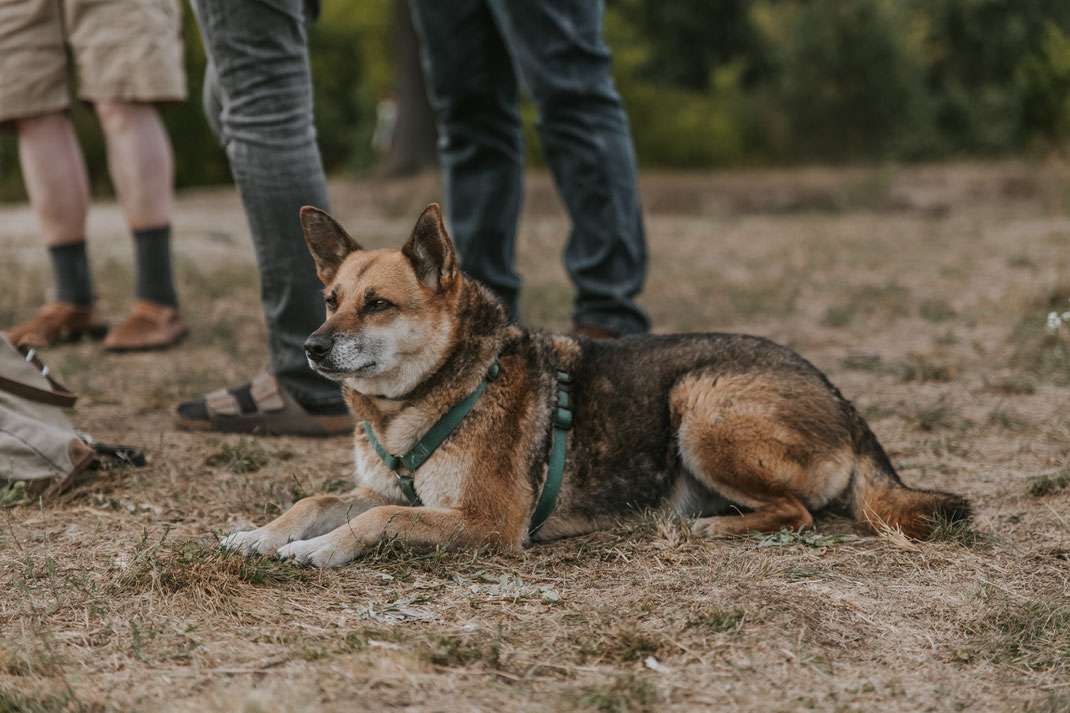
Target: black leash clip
[{"x": 127, "y": 455}]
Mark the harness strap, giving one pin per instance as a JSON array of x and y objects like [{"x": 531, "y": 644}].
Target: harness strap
[
  {"x": 431, "y": 440},
  {"x": 555, "y": 469},
  {"x": 419, "y": 453}
]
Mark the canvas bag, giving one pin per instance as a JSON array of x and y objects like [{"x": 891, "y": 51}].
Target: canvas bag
[{"x": 38, "y": 445}]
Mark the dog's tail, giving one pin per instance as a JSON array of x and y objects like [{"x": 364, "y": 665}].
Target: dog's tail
[{"x": 879, "y": 498}]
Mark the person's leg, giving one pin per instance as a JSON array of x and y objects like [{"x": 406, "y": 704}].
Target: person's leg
[
  {"x": 139, "y": 161},
  {"x": 562, "y": 60},
  {"x": 260, "y": 83},
  {"x": 473, "y": 92},
  {"x": 128, "y": 56},
  {"x": 54, "y": 173},
  {"x": 142, "y": 170},
  {"x": 34, "y": 97}
]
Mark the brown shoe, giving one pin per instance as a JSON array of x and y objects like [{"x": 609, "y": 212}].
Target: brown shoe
[
  {"x": 57, "y": 322},
  {"x": 148, "y": 326},
  {"x": 593, "y": 331}
]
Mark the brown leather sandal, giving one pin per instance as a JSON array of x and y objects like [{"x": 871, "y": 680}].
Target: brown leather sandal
[
  {"x": 57, "y": 322},
  {"x": 148, "y": 326},
  {"x": 276, "y": 413}
]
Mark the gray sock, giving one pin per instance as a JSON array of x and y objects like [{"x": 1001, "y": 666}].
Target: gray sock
[
  {"x": 155, "y": 282},
  {"x": 70, "y": 265}
]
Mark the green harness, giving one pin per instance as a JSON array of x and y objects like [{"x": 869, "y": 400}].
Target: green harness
[{"x": 419, "y": 453}]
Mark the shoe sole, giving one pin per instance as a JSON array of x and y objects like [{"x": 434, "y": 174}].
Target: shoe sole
[
  {"x": 94, "y": 333},
  {"x": 331, "y": 429}
]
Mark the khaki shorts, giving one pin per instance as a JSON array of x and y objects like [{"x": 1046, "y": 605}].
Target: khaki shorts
[{"x": 122, "y": 50}]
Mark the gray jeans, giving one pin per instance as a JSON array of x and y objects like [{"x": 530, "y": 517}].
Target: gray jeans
[
  {"x": 475, "y": 52},
  {"x": 258, "y": 99}
]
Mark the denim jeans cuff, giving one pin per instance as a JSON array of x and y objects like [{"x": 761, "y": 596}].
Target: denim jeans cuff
[{"x": 327, "y": 394}]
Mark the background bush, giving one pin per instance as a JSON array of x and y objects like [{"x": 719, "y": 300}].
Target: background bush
[{"x": 724, "y": 83}]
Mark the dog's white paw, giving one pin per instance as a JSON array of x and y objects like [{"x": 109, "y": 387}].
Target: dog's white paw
[
  {"x": 317, "y": 552},
  {"x": 260, "y": 541}
]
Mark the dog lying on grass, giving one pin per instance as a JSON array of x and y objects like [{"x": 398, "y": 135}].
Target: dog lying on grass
[{"x": 467, "y": 418}]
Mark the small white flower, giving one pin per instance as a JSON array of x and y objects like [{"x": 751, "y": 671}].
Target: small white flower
[{"x": 1054, "y": 321}]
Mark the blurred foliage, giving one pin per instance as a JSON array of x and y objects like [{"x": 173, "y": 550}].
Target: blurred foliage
[
  {"x": 848, "y": 78},
  {"x": 987, "y": 61},
  {"x": 843, "y": 79},
  {"x": 723, "y": 83},
  {"x": 352, "y": 67}
]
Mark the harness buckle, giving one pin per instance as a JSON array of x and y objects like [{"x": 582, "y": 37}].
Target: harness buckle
[{"x": 563, "y": 418}]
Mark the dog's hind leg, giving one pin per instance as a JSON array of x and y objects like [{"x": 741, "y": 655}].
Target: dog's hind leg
[
  {"x": 309, "y": 517},
  {"x": 733, "y": 438}
]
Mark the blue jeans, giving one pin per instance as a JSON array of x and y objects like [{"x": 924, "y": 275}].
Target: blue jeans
[
  {"x": 474, "y": 53},
  {"x": 258, "y": 99}
]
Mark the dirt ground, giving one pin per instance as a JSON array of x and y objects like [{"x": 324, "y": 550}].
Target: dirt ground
[{"x": 921, "y": 291}]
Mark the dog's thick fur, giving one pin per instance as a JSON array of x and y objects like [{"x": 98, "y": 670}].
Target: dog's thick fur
[{"x": 734, "y": 430}]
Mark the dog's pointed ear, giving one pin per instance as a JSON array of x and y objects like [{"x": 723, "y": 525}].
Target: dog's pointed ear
[
  {"x": 327, "y": 241},
  {"x": 430, "y": 251}
]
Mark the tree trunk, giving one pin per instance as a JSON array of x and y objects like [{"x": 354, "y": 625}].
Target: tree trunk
[{"x": 413, "y": 144}]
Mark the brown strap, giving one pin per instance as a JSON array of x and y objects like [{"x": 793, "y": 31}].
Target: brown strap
[{"x": 59, "y": 397}]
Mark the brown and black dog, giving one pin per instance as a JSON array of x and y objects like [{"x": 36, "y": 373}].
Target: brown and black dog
[{"x": 733, "y": 430}]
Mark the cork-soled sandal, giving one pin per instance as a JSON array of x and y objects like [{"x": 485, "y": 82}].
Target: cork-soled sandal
[{"x": 268, "y": 410}]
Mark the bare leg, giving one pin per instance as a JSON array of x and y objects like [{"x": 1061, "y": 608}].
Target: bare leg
[
  {"x": 139, "y": 161},
  {"x": 54, "y": 171}
]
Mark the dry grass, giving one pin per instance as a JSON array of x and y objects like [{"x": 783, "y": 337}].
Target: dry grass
[{"x": 922, "y": 293}]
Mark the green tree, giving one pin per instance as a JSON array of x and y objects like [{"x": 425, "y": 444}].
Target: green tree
[
  {"x": 975, "y": 54},
  {"x": 848, "y": 77}
]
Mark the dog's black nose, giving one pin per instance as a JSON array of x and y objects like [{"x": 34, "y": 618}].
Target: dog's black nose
[{"x": 317, "y": 346}]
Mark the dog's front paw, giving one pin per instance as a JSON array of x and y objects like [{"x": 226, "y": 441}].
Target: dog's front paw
[
  {"x": 260, "y": 541},
  {"x": 320, "y": 551}
]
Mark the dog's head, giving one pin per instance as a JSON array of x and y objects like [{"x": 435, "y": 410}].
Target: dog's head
[{"x": 390, "y": 313}]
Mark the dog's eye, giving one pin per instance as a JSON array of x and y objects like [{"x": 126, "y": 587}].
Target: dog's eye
[
  {"x": 332, "y": 302},
  {"x": 377, "y": 305}
]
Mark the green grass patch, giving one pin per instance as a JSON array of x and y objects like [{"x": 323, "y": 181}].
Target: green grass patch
[
  {"x": 1007, "y": 419},
  {"x": 772, "y": 299},
  {"x": 923, "y": 371},
  {"x": 933, "y": 417},
  {"x": 876, "y": 412},
  {"x": 889, "y": 300},
  {"x": 44, "y": 702},
  {"x": 936, "y": 310},
  {"x": 461, "y": 651},
  {"x": 246, "y": 455},
  {"x": 718, "y": 621},
  {"x": 1030, "y": 635},
  {"x": 13, "y": 494},
  {"x": 1048, "y": 484},
  {"x": 1011, "y": 385},
  {"x": 960, "y": 532},
  {"x": 864, "y": 362},
  {"x": 204, "y": 566},
  {"x": 1040, "y": 351},
  {"x": 627, "y": 693}
]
